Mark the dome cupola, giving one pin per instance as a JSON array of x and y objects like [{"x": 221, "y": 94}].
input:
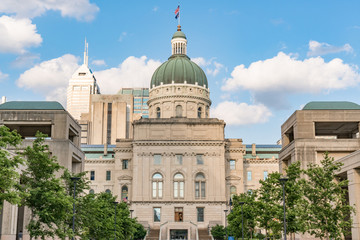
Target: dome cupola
[{"x": 179, "y": 87}]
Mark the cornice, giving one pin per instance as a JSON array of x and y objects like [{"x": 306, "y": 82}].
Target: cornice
[
  {"x": 261, "y": 161},
  {"x": 184, "y": 202},
  {"x": 97, "y": 161},
  {"x": 165, "y": 97},
  {"x": 177, "y": 143}
]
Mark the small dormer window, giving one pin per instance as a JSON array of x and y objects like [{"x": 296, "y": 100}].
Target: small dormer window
[{"x": 82, "y": 74}]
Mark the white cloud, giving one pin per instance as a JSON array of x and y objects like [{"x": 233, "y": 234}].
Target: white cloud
[
  {"x": 132, "y": 72},
  {"x": 155, "y": 9},
  {"x": 241, "y": 113},
  {"x": 212, "y": 67},
  {"x": 82, "y": 10},
  {"x": 99, "y": 62},
  {"x": 3, "y": 76},
  {"x": 318, "y": 49},
  {"x": 50, "y": 78},
  {"x": 16, "y": 35},
  {"x": 25, "y": 60},
  {"x": 284, "y": 73}
]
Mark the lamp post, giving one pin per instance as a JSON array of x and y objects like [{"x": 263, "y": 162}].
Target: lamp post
[
  {"x": 242, "y": 220},
  {"x": 225, "y": 224},
  {"x": 115, "y": 203},
  {"x": 131, "y": 211},
  {"x": 74, "y": 179},
  {"x": 283, "y": 180}
]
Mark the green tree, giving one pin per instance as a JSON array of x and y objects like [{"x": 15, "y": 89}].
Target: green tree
[
  {"x": 9, "y": 164},
  {"x": 46, "y": 195},
  {"x": 218, "y": 232},
  {"x": 249, "y": 212},
  {"x": 328, "y": 213},
  {"x": 295, "y": 202},
  {"x": 96, "y": 213},
  {"x": 140, "y": 231},
  {"x": 269, "y": 204}
]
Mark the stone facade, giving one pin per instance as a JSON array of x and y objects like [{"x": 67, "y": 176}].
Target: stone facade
[{"x": 63, "y": 141}]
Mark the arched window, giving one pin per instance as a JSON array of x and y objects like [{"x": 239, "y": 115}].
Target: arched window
[
  {"x": 179, "y": 186},
  {"x": 178, "y": 111},
  {"x": 157, "y": 185},
  {"x": 199, "y": 112},
  {"x": 124, "y": 194},
  {"x": 158, "y": 113},
  {"x": 91, "y": 191},
  {"x": 232, "y": 191},
  {"x": 108, "y": 191},
  {"x": 200, "y": 185}
]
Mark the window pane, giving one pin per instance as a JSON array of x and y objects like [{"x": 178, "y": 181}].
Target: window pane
[
  {"x": 92, "y": 175},
  {"x": 181, "y": 189},
  {"x": 249, "y": 177},
  {"x": 108, "y": 175},
  {"x": 178, "y": 176},
  {"x": 107, "y": 191},
  {"x": 154, "y": 189},
  {"x": 91, "y": 191},
  {"x": 157, "y": 214},
  {"x": 200, "y": 214},
  {"x": 232, "y": 164},
  {"x": 200, "y": 176},
  {"x": 203, "y": 189},
  {"x": 176, "y": 189},
  {"x": 232, "y": 191},
  {"x": 125, "y": 164},
  {"x": 178, "y": 159},
  {"x": 199, "y": 159},
  {"x": 157, "y": 159},
  {"x": 197, "y": 189},
  {"x": 157, "y": 176},
  {"x": 160, "y": 189},
  {"x": 124, "y": 193},
  {"x": 265, "y": 175}
]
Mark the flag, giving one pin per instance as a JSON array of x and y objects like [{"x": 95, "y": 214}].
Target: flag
[{"x": 177, "y": 12}]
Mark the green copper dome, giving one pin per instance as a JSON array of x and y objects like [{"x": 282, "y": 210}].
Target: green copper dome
[
  {"x": 179, "y": 34},
  {"x": 179, "y": 68}
]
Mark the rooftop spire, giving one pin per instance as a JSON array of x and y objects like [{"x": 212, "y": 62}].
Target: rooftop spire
[{"x": 86, "y": 54}]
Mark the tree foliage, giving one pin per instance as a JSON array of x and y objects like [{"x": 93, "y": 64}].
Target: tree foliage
[
  {"x": 46, "y": 195},
  {"x": 218, "y": 232},
  {"x": 9, "y": 164},
  {"x": 328, "y": 213},
  {"x": 249, "y": 213},
  {"x": 96, "y": 215}
]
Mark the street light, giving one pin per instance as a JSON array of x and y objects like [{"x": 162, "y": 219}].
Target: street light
[
  {"x": 115, "y": 203},
  {"x": 74, "y": 179},
  {"x": 242, "y": 220},
  {"x": 131, "y": 211},
  {"x": 225, "y": 224},
  {"x": 283, "y": 180}
]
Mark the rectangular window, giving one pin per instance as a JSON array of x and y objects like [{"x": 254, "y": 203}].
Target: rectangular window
[
  {"x": 157, "y": 214},
  {"x": 108, "y": 175},
  {"x": 157, "y": 159},
  {"x": 199, "y": 159},
  {"x": 109, "y": 116},
  {"x": 176, "y": 189},
  {"x": 92, "y": 175},
  {"x": 160, "y": 189},
  {"x": 125, "y": 164},
  {"x": 249, "y": 176},
  {"x": 178, "y": 159},
  {"x": 265, "y": 175},
  {"x": 181, "y": 190},
  {"x": 200, "y": 214},
  {"x": 154, "y": 189},
  {"x": 202, "y": 189},
  {"x": 197, "y": 189},
  {"x": 232, "y": 164}
]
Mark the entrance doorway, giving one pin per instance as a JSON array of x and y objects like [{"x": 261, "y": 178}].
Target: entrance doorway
[
  {"x": 179, "y": 214},
  {"x": 177, "y": 234}
]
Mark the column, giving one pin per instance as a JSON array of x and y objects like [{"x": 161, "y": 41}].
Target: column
[{"x": 353, "y": 176}]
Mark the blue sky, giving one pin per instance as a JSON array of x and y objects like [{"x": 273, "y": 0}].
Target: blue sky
[{"x": 263, "y": 59}]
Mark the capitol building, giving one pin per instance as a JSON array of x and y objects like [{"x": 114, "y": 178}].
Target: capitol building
[{"x": 159, "y": 150}]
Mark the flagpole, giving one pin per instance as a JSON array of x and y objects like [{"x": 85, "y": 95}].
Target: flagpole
[{"x": 179, "y": 14}]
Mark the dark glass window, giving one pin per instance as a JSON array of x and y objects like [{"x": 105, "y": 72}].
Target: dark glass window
[
  {"x": 108, "y": 175},
  {"x": 92, "y": 175},
  {"x": 125, "y": 164},
  {"x": 200, "y": 214}
]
